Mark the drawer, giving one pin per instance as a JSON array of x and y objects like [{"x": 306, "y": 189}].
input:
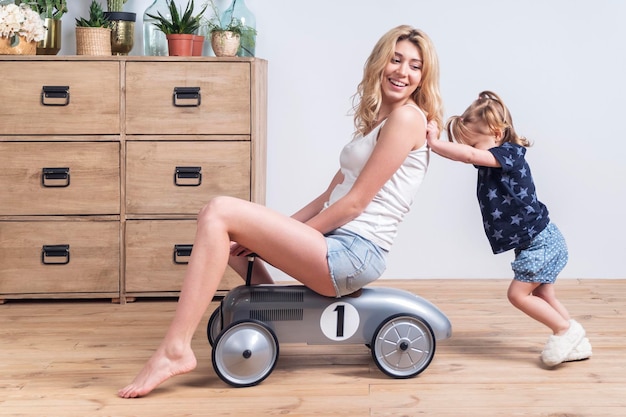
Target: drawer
[
  {"x": 180, "y": 177},
  {"x": 34, "y": 259},
  {"x": 39, "y": 178},
  {"x": 92, "y": 105},
  {"x": 153, "y": 263},
  {"x": 223, "y": 106}
]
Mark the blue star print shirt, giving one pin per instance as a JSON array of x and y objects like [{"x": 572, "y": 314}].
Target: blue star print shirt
[{"x": 512, "y": 214}]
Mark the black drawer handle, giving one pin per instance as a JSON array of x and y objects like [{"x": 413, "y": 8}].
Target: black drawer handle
[
  {"x": 188, "y": 176},
  {"x": 55, "y": 95},
  {"x": 50, "y": 254},
  {"x": 55, "y": 177},
  {"x": 186, "y": 97},
  {"x": 181, "y": 251}
]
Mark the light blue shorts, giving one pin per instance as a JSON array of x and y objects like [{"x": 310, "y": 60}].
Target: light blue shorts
[
  {"x": 543, "y": 259},
  {"x": 353, "y": 261}
]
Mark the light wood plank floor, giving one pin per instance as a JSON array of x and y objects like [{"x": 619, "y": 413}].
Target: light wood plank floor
[{"x": 69, "y": 358}]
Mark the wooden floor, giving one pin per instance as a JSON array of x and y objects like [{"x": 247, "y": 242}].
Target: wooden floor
[{"x": 69, "y": 358}]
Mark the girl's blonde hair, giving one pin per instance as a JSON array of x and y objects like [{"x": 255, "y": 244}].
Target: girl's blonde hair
[
  {"x": 489, "y": 111},
  {"x": 368, "y": 98}
]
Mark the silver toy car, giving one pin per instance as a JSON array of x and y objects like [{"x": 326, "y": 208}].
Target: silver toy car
[{"x": 400, "y": 328}]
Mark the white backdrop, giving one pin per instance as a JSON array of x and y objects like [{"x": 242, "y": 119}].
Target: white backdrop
[{"x": 560, "y": 66}]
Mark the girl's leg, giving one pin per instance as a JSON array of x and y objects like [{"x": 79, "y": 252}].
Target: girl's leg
[
  {"x": 295, "y": 248},
  {"x": 547, "y": 293},
  {"x": 540, "y": 303},
  {"x": 522, "y": 295}
]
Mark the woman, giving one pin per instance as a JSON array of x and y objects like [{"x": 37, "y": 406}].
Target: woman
[{"x": 339, "y": 241}]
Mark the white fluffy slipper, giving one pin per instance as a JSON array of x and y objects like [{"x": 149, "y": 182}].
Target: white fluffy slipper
[
  {"x": 558, "y": 348},
  {"x": 580, "y": 352}
]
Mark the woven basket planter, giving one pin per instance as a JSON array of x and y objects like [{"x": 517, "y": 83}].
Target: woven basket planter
[
  {"x": 93, "y": 41},
  {"x": 22, "y": 48}
]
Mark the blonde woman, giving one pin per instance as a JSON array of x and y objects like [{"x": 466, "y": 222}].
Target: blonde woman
[
  {"x": 339, "y": 241},
  {"x": 514, "y": 219}
]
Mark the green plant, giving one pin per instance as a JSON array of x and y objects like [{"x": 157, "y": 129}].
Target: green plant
[
  {"x": 218, "y": 24},
  {"x": 51, "y": 9},
  {"x": 97, "y": 19},
  {"x": 181, "y": 21},
  {"x": 115, "y": 5}
]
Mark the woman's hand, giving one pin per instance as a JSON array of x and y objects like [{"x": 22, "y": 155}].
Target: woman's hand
[{"x": 237, "y": 250}]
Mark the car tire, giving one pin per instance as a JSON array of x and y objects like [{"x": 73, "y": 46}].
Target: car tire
[
  {"x": 403, "y": 346},
  {"x": 245, "y": 353},
  {"x": 214, "y": 327}
]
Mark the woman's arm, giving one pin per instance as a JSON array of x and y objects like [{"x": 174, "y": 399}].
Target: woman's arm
[
  {"x": 403, "y": 131},
  {"x": 315, "y": 206}
]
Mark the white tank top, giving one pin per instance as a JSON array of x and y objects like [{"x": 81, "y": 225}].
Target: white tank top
[{"x": 380, "y": 219}]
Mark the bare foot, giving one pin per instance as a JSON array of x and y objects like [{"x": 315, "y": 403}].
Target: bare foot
[{"x": 158, "y": 369}]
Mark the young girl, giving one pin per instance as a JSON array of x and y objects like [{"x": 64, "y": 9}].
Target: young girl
[
  {"x": 514, "y": 218},
  {"x": 339, "y": 242}
]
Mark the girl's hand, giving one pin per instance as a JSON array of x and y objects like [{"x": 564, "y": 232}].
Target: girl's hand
[{"x": 432, "y": 131}]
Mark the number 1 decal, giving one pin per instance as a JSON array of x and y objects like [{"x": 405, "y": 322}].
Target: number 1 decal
[
  {"x": 341, "y": 310},
  {"x": 339, "y": 321}
]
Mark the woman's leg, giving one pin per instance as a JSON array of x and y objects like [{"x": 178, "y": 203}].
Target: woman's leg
[
  {"x": 521, "y": 295},
  {"x": 295, "y": 248},
  {"x": 260, "y": 275}
]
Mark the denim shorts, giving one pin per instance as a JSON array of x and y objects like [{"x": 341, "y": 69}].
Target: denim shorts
[
  {"x": 353, "y": 261},
  {"x": 543, "y": 259}
]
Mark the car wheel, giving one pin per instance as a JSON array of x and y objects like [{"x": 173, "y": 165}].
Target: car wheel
[
  {"x": 214, "y": 327},
  {"x": 403, "y": 346},
  {"x": 245, "y": 353}
]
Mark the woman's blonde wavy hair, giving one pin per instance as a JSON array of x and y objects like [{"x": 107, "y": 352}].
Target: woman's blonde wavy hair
[
  {"x": 489, "y": 111},
  {"x": 367, "y": 100}
]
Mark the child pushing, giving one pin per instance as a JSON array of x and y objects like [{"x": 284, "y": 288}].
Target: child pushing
[{"x": 514, "y": 219}]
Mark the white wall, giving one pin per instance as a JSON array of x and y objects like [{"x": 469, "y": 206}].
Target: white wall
[{"x": 558, "y": 64}]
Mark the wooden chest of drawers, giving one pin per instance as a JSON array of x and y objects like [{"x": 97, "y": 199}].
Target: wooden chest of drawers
[{"x": 106, "y": 162}]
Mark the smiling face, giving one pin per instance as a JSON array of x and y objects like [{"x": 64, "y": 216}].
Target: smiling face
[{"x": 403, "y": 73}]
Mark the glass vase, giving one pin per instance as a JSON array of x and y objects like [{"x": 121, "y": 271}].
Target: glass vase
[
  {"x": 154, "y": 41},
  {"x": 239, "y": 10}
]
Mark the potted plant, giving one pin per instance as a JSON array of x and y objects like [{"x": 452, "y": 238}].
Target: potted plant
[
  {"x": 226, "y": 32},
  {"x": 122, "y": 26},
  {"x": 20, "y": 29},
  {"x": 93, "y": 35},
  {"x": 180, "y": 28},
  {"x": 51, "y": 11}
]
